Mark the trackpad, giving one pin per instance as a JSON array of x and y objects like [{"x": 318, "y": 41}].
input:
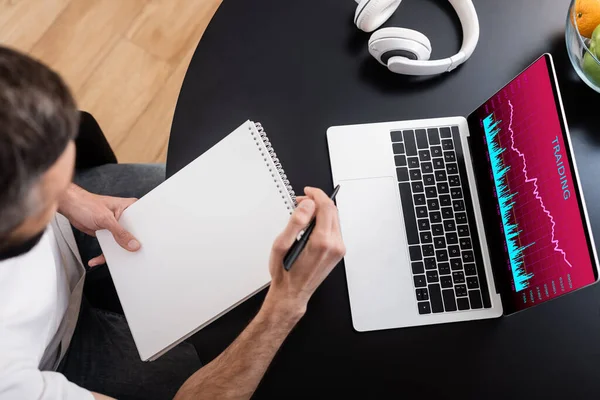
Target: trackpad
[{"x": 377, "y": 263}]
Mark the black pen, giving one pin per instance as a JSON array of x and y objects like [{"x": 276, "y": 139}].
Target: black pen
[{"x": 294, "y": 251}]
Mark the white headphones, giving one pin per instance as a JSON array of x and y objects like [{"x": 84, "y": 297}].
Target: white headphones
[{"x": 407, "y": 52}]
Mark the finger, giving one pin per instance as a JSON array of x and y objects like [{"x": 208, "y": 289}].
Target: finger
[
  {"x": 125, "y": 239},
  {"x": 121, "y": 205},
  {"x": 298, "y": 221},
  {"x": 326, "y": 210},
  {"x": 300, "y": 199},
  {"x": 94, "y": 262}
]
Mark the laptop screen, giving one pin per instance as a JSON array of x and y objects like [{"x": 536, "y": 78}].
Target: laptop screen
[{"x": 533, "y": 206}]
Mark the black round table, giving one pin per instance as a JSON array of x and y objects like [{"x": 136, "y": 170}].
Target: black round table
[{"x": 301, "y": 66}]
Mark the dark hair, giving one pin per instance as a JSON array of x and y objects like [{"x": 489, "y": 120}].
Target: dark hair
[{"x": 38, "y": 118}]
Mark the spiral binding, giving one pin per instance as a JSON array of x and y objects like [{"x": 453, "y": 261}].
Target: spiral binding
[{"x": 278, "y": 167}]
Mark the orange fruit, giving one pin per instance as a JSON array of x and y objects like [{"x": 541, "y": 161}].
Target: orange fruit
[{"x": 587, "y": 14}]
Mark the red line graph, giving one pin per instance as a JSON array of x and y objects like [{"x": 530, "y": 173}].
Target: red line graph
[{"x": 534, "y": 182}]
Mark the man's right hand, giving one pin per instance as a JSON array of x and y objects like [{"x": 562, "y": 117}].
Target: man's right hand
[{"x": 292, "y": 289}]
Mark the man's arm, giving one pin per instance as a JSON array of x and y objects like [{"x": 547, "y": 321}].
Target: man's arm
[{"x": 236, "y": 373}]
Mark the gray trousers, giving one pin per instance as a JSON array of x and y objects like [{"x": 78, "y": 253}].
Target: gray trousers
[{"x": 102, "y": 356}]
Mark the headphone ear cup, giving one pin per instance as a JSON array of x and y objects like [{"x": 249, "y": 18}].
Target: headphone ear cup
[
  {"x": 399, "y": 42},
  {"x": 371, "y": 14}
]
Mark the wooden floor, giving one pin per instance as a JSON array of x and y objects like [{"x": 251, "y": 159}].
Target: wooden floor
[{"x": 125, "y": 60}]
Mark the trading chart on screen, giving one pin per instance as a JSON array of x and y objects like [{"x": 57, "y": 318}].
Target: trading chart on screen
[{"x": 545, "y": 241}]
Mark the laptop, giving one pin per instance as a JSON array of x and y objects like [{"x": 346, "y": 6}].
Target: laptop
[{"x": 457, "y": 219}]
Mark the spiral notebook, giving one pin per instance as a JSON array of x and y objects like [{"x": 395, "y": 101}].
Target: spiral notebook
[{"x": 206, "y": 236}]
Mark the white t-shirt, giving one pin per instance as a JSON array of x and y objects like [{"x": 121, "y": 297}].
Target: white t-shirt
[{"x": 34, "y": 295}]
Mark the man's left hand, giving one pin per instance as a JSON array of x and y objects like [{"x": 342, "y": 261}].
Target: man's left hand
[{"x": 90, "y": 212}]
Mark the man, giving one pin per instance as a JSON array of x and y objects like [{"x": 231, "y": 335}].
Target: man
[{"x": 54, "y": 344}]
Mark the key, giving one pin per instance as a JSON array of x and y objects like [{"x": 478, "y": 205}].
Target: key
[
  {"x": 449, "y": 225},
  {"x": 432, "y": 276},
  {"x": 419, "y": 199},
  {"x": 468, "y": 256},
  {"x": 423, "y": 224},
  {"x": 435, "y": 217},
  {"x": 417, "y": 187},
  {"x": 435, "y": 296},
  {"x": 402, "y": 174},
  {"x": 413, "y": 162},
  {"x": 454, "y": 180},
  {"x": 463, "y": 230},
  {"x": 424, "y": 307},
  {"x": 454, "y": 251},
  {"x": 439, "y": 242},
  {"x": 436, "y": 151},
  {"x": 400, "y": 161},
  {"x": 472, "y": 282},
  {"x": 428, "y": 179},
  {"x": 447, "y": 213},
  {"x": 470, "y": 269},
  {"x": 440, "y": 175},
  {"x": 426, "y": 237},
  {"x": 438, "y": 163},
  {"x": 465, "y": 243},
  {"x": 427, "y": 250},
  {"x": 417, "y": 267},
  {"x": 415, "y": 253},
  {"x": 430, "y": 192},
  {"x": 422, "y": 294},
  {"x": 409, "y": 143},
  {"x": 447, "y": 144},
  {"x": 449, "y": 156},
  {"x": 415, "y": 175},
  {"x": 452, "y": 169},
  {"x": 441, "y": 255},
  {"x": 446, "y": 281},
  {"x": 456, "y": 193},
  {"x": 459, "y": 205},
  {"x": 396, "y": 136},
  {"x": 445, "y": 132},
  {"x": 461, "y": 218},
  {"x": 437, "y": 229},
  {"x": 421, "y": 212},
  {"x": 433, "y": 204},
  {"x": 398, "y": 149},
  {"x": 463, "y": 303},
  {"x": 444, "y": 268},
  {"x": 410, "y": 221},
  {"x": 445, "y": 200},
  {"x": 443, "y": 188},
  {"x": 424, "y": 155},
  {"x": 434, "y": 136},
  {"x": 475, "y": 299},
  {"x": 451, "y": 238},
  {"x": 460, "y": 290},
  {"x": 420, "y": 281},
  {"x": 456, "y": 264},
  {"x": 458, "y": 277},
  {"x": 430, "y": 263},
  {"x": 421, "y": 139},
  {"x": 426, "y": 167},
  {"x": 449, "y": 300}
]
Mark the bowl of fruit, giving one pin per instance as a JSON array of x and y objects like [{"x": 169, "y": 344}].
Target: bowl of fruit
[{"x": 583, "y": 40}]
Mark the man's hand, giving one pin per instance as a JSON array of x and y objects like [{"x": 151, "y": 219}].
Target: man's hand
[
  {"x": 90, "y": 212},
  {"x": 235, "y": 373},
  {"x": 323, "y": 251}
]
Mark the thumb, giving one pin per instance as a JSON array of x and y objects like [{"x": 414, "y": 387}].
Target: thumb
[
  {"x": 298, "y": 221},
  {"x": 125, "y": 239}
]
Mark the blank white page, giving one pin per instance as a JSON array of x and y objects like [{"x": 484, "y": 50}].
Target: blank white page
[{"x": 206, "y": 236}]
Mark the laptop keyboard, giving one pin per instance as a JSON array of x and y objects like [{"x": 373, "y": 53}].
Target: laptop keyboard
[{"x": 444, "y": 252}]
